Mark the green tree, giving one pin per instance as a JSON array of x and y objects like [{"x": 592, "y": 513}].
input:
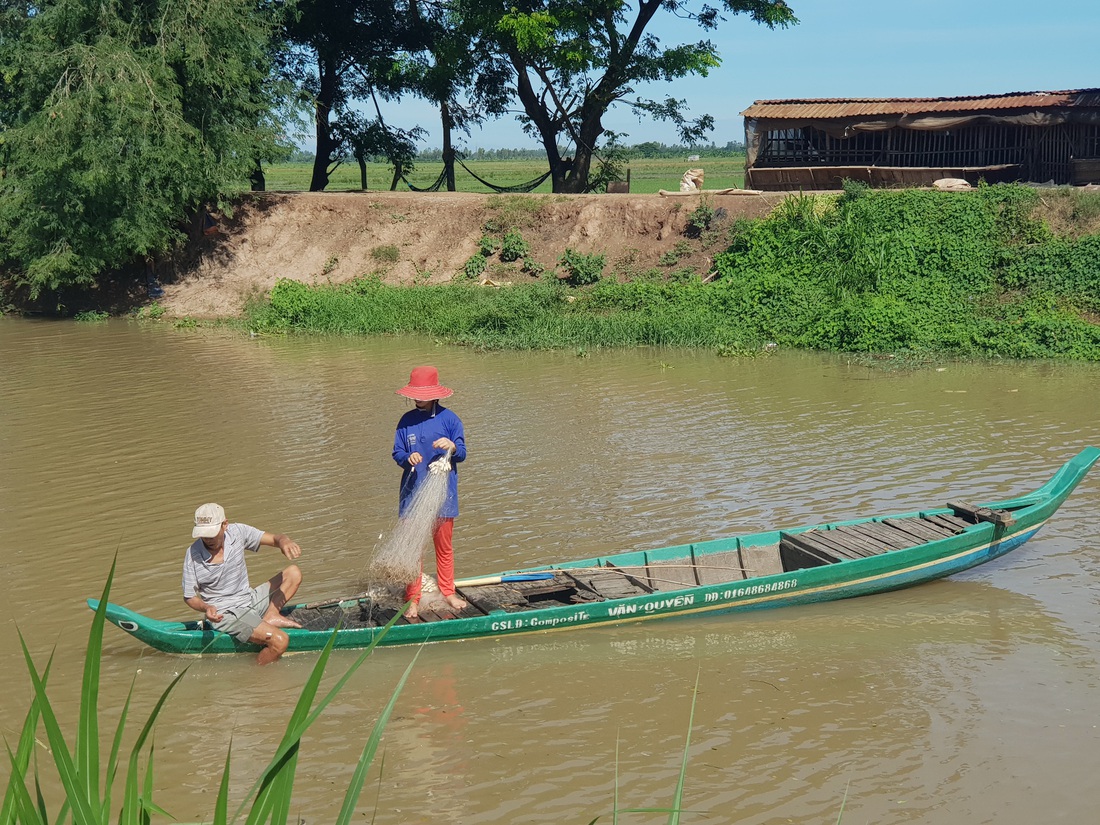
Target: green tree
[
  {"x": 574, "y": 59},
  {"x": 466, "y": 82},
  {"x": 120, "y": 121},
  {"x": 344, "y": 52}
]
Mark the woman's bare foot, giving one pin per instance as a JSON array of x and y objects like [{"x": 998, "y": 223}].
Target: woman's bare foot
[
  {"x": 412, "y": 611},
  {"x": 456, "y": 602}
]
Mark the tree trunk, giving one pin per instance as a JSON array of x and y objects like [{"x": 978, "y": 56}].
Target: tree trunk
[
  {"x": 361, "y": 159},
  {"x": 326, "y": 145},
  {"x": 257, "y": 179},
  {"x": 448, "y": 149}
]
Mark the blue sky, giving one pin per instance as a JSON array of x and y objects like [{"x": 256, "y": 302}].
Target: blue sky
[{"x": 854, "y": 48}]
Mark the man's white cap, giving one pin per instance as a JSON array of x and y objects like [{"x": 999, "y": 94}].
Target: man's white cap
[{"x": 208, "y": 521}]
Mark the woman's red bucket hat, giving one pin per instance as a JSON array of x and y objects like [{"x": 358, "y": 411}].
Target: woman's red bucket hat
[{"x": 424, "y": 385}]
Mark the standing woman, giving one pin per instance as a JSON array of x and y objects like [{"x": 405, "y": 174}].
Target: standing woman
[{"x": 423, "y": 435}]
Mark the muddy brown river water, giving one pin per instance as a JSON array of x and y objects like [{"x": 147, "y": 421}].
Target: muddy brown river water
[{"x": 974, "y": 699}]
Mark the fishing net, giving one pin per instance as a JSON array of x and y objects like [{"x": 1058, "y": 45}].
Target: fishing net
[{"x": 398, "y": 559}]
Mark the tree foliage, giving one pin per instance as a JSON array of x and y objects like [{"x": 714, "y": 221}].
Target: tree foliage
[
  {"x": 572, "y": 60},
  {"x": 119, "y": 120},
  {"x": 345, "y": 53}
]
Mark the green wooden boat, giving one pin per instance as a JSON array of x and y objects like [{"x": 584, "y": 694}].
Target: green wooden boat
[{"x": 777, "y": 568}]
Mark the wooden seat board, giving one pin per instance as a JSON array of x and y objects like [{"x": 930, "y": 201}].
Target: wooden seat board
[
  {"x": 917, "y": 529},
  {"x": 830, "y": 543},
  {"x": 872, "y": 546}
]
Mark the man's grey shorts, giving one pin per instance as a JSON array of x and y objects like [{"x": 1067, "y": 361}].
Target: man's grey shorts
[{"x": 241, "y": 622}]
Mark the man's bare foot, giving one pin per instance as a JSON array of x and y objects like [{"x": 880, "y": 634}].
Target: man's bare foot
[
  {"x": 456, "y": 602},
  {"x": 412, "y": 612},
  {"x": 281, "y": 621}
]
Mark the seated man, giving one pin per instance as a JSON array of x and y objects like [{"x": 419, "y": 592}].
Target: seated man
[{"x": 215, "y": 582}]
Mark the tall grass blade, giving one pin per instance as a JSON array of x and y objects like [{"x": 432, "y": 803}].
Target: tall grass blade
[
  {"x": 615, "y": 810},
  {"x": 116, "y": 748},
  {"x": 273, "y": 794},
  {"x": 298, "y": 726},
  {"x": 678, "y": 798},
  {"x": 87, "y": 730},
  {"x": 22, "y": 806},
  {"x": 84, "y": 813},
  {"x": 221, "y": 805},
  {"x": 22, "y": 759},
  {"x": 351, "y": 798},
  {"x": 844, "y": 801},
  {"x": 148, "y": 806},
  {"x": 131, "y": 802},
  {"x": 42, "y": 812}
]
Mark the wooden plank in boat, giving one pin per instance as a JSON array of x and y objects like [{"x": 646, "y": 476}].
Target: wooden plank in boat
[
  {"x": 852, "y": 541},
  {"x": 717, "y": 568},
  {"x": 675, "y": 574},
  {"x": 917, "y": 528},
  {"x": 947, "y": 530},
  {"x": 975, "y": 514},
  {"x": 828, "y": 542},
  {"x": 870, "y": 546},
  {"x": 895, "y": 539},
  {"x": 950, "y": 522},
  {"x": 763, "y": 560},
  {"x": 613, "y": 582},
  {"x": 492, "y": 597},
  {"x": 799, "y": 553}
]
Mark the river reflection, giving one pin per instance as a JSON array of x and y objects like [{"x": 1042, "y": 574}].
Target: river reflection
[{"x": 966, "y": 700}]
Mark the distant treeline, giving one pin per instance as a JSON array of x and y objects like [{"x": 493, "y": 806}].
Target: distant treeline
[{"x": 650, "y": 149}]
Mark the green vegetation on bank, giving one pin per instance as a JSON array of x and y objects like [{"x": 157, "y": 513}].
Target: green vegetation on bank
[{"x": 925, "y": 272}]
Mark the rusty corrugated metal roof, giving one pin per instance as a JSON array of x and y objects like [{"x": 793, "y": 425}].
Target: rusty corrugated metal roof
[{"x": 824, "y": 108}]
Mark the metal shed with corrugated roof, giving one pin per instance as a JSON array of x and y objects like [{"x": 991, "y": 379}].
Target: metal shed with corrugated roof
[{"x": 1020, "y": 136}]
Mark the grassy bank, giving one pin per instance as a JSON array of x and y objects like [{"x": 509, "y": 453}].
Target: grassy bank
[
  {"x": 972, "y": 274},
  {"x": 647, "y": 175}
]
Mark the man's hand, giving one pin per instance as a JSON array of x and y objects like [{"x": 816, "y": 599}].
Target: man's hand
[
  {"x": 444, "y": 443},
  {"x": 288, "y": 546},
  {"x": 196, "y": 603},
  {"x": 415, "y": 458}
]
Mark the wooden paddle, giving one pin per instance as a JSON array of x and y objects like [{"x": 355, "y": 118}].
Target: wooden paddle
[{"x": 514, "y": 577}]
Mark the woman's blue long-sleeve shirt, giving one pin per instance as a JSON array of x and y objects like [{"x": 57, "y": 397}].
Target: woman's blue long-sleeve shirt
[{"x": 416, "y": 431}]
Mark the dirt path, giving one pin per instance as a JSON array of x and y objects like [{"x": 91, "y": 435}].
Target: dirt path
[{"x": 414, "y": 237}]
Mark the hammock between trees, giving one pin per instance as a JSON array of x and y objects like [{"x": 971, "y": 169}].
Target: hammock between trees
[{"x": 436, "y": 185}]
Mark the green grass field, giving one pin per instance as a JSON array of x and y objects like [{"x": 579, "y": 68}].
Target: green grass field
[{"x": 646, "y": 175}]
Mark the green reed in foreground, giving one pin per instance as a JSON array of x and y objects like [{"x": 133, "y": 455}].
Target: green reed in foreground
[{"x": 88, "y": 782}]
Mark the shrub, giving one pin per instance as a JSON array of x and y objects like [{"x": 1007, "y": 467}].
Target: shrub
[
  {"x": 700, "y": 219},
  {"x": 474, "y": 266},
  {"x": 581, "y": 269},
  {"x": 514, "y": 247}
]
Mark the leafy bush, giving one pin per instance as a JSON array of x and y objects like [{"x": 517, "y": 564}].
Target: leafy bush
[
  {"x": 514, "y": 247},
  {"x": 673, "y": 256},
  {"x": 487, "y": 246},
  {"x": 700, "y": 219},
  {"x": 581, "y": 269},
  {"x": 474, "y": 266}
]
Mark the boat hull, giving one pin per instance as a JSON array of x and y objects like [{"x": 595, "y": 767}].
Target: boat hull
[{"x": 977, "y": 544}]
